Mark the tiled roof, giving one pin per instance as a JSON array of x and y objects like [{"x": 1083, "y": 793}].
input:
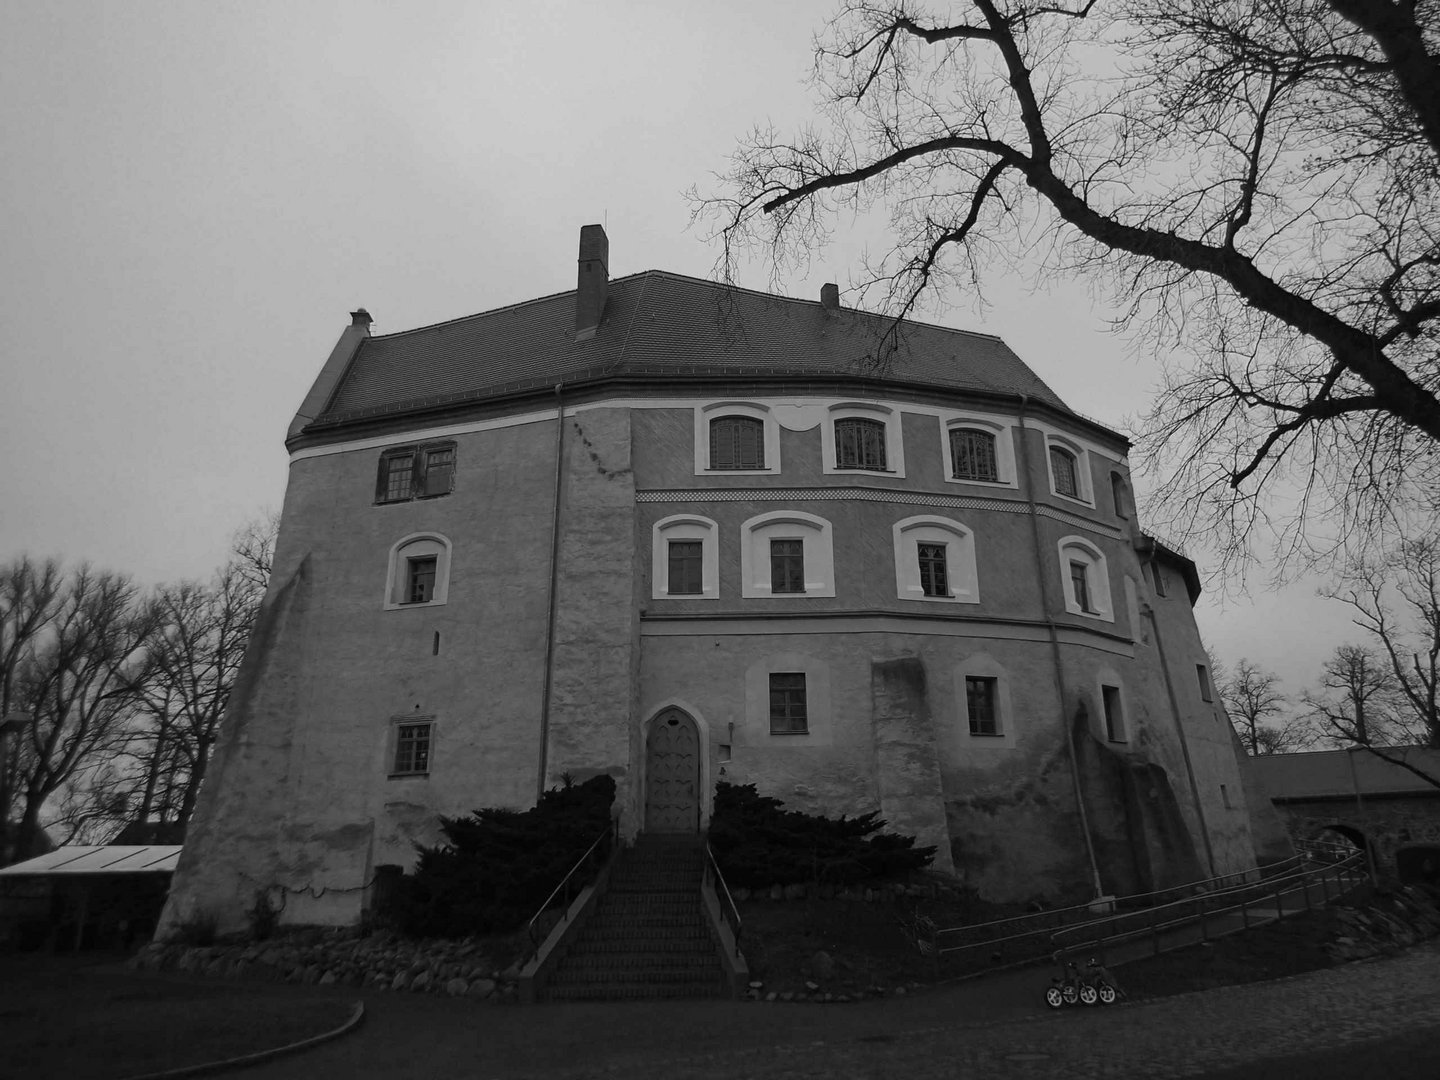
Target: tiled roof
[{"x": 669, "y": 327}]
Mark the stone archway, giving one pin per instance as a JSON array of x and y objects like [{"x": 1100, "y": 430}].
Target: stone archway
[{"x": 672, "y": 773}]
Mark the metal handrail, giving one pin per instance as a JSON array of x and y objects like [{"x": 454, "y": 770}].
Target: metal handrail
[
  {"x": 609, "y": 833},
  {"x": 728, "y": 911}
]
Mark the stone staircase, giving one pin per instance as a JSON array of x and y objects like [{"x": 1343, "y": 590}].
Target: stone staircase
[{"x": 649, "y": 936}]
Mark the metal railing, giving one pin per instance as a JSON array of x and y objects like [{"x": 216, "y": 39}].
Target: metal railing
[
  {"x": 600, "y": 849},
  {"x": 1251, "y": 901},
  {"x": 728, "y": 911}
]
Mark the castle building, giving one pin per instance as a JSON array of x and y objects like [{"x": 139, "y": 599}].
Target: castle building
[{"x": 684, "y": 533}]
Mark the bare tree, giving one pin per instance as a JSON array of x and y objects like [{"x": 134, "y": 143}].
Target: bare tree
[
  {"x": 1252, "y": 699},
  {"x": 1355, "y": 703},
  {"x": 1255, "y": 182}
]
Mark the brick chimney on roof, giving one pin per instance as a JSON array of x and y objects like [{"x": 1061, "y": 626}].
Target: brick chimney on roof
[
  {"x": 592, "y": 281},
  {"x": 830, "y": 295}
]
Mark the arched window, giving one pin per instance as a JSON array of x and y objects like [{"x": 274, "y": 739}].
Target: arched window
[
  {"x": 972, "y": 454},
  {"x": 935, "y": 560},
  {"x": 859, "y": 443},
  {"x": 737, "y": 442},
  {"x": 786, "y": 553},
  {"x": 419, "y": 572},
  {"x": 1085, "y": 577},
  {"x": 1120, "y": 494},
  {"x": 1063, "y": 472}
]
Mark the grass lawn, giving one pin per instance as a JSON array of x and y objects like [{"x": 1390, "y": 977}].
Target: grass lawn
[{"x": 84, "y": 1018}]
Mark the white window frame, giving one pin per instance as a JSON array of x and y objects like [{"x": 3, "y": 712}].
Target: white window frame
[
  {"x": 417, "y": 545},
  {"x": 1005, "y": 473},
  {"x": 860, "y": 410},
  {"x": 817, "y": 550},
  {"x": 959, "y": 542},
  {"x": 1097, "y": 577},
  {"x": 392, "y": 747},
  {"x": 1085, "y": 494},
  {"x": 685, "y": 527},
  {"x": 750, "y": 409}
]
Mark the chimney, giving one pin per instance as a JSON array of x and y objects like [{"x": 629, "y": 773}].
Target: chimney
[
  {"x": 830, "y": 296},
  {"x": 592, "y": 282},
  {"x": 361, "y": 318}
]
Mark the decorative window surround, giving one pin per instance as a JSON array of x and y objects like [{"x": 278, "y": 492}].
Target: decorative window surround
[
  {"x": 959, "y": 543},
  {"x": 1001, "y": 432},
  {"x": 417, "y": 547},
  {"x": 818, "y": 552},
  {"x": 1084, "y": 492},
  {"x": 983, "y": 666},
  {"x": 706, "y": 413},
  {"x": 1078, "y": 552},
  {"x": 856, "y": 410},
  {"x": 759, "y": 730},
  {"x": 685, "y": 527}
]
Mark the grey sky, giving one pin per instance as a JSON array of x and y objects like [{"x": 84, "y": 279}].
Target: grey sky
[{"x": 196, "y": 195}]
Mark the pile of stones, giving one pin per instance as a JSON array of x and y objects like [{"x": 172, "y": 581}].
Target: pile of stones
[
  {"x": 328, "y": 957},
  {"x": 1397, "y": 920}
]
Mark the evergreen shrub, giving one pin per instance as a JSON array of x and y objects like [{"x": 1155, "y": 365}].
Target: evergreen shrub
[
  {"x": 497, "y": 866},
  {"x": 758, "y": 844}
]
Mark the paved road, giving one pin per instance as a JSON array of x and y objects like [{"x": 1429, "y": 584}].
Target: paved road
[{"x": 990, "y": 1028}]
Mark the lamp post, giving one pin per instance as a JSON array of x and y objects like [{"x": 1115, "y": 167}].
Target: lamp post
[{"x": 11, "y": 722}]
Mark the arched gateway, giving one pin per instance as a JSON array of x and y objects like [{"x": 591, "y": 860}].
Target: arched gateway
[{"x": 672, "y": 774}]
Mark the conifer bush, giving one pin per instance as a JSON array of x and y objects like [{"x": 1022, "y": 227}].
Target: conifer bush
[
  {"x": 758, "y": 844},
  {"x": 497, "y": 866}
]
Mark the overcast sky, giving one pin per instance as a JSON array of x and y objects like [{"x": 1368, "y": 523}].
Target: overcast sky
[{"x": 197, "y": 193}]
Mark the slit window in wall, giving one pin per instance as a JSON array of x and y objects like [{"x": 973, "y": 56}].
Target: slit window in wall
[
  {"x": 859, "y": 444},
  {"x": 933, "y": 579},
  {"x": 1120, "y": 495},
  {"x": 1062, "y": 470},
  {"x": 1114, "y": 713},
  {"x": 686, "y": 563},
  {"x": 415, "y": 472},
  {"x": 1225, "y": 797},
  {"x": 1202, "y": 674},
  {"x": 981, "y": 705},
  {"x": 972, "y": 453},
  {"x": 737, "y": 442},
  {"x": 787, "y": 703},
  {"x": 1161, "y": 589},
  {"x": 787, "y": 566},
  {"x": 412, "y": 748}
]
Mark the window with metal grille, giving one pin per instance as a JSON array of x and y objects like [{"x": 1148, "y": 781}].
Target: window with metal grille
[
  {"x": 1062, "y": 468},
  {"x": 412, "y": 749},
  {"x": 737, "y": 442},
  {"x": 859, "y": 444},
  {"x": 415, "y": 472},
  {"x": 787, "y": 566},
  {"x": 420, "y": 579},
  {"x": 933, "y": 579},
  {"x": 686, "y": 577},
  {"x": 980, "y": 697},
  {"x": 787, "y": 703},
  {"x": 1080, "y": 585},
  {"x": 972, "y": 454}
]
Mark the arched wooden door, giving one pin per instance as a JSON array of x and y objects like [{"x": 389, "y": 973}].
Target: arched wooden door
[{"x": 672, "y": 774}]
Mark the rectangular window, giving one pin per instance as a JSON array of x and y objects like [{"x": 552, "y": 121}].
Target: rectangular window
[
  {"x": 420, "y": 580},
  {"x": 685, "y": 570},
  {"x": 737, "y": 442},
  {"x": 933, "y": 579},
  {"x": 787, "y": 566},
  {"x": 1114, "y": 718},
  {"x": 1080, "y": 583},
  {"x": 787, "y": 703},
  {"x": 973, "y": 454},
  {"x": 412, "y": 749},
  {"x": 415, "y": 472},
  {"x": 1062, "y": 467},
  {"x": 980, "y": 704},
  {"x": 1203, "y": 675},
  {"x": 859, "y": 444}
]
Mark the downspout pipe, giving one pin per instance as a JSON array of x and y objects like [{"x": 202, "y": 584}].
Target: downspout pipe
[
  {"x": 1065, "y": 725},
  {"x": 556, "y": 508}
]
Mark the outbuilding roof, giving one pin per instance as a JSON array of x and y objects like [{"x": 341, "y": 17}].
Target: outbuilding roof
[
  {"x": 99, "y": 859},
  {"x": 666, "y": 326}
]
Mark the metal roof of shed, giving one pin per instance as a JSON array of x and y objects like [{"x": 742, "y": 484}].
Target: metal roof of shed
[{"x": 99, "y": 859}]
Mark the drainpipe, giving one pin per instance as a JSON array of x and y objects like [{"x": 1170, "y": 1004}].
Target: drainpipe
[
  {"x": 1065, "y": 724},
  {"x": 1180, "y": 727},
  {"x": 554, "y": 578}
]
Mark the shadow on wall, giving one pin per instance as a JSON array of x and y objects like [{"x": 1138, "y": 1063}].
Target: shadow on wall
[{"x": 1141, "y": 841}]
